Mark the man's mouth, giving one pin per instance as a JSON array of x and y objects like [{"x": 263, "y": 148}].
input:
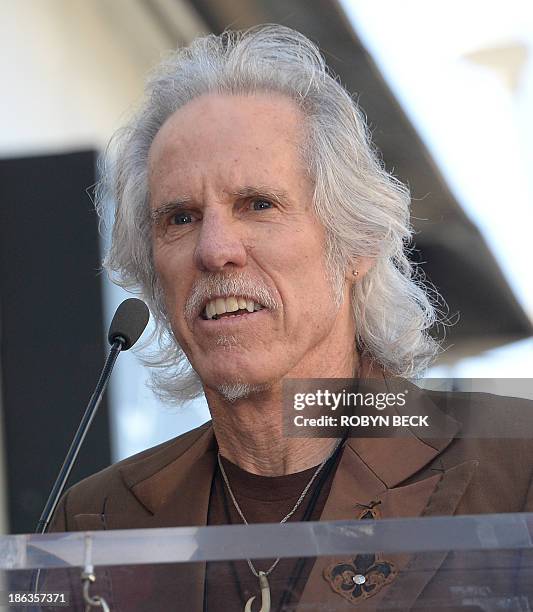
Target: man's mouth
[{"x": 229, "y": 307}]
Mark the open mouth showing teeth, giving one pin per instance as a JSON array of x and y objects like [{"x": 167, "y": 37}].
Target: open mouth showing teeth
[{"x": 229, "y": 307}]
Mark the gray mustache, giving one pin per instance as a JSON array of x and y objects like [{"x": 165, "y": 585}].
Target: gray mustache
[{"x": 223, "y": 286}]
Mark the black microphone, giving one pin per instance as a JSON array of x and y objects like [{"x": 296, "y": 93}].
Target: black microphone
[{"x": 129, "y": 322}]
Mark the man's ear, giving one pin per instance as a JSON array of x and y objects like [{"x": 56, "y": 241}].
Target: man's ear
[{"x": 358, "y": 269}]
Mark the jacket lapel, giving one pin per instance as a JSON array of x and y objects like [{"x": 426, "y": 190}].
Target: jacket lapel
[
  {"x": 169, "y": 489},
  {"x": 175, "y": 488}
]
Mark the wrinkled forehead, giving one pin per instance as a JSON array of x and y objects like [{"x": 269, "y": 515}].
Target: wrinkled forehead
[{"x": 238, "y": 140}]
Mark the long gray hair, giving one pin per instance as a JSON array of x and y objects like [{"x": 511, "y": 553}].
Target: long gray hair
[{"x": 364, "y": 210}]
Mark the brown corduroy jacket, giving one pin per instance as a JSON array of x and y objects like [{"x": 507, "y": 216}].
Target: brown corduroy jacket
[{"x": 407, "y": 476}]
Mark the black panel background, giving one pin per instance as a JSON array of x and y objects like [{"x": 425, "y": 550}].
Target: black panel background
[{"x": 52, "y": 343}]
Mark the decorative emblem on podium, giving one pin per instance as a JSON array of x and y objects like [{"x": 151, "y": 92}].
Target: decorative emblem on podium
[{"x": 363, "y": 576}]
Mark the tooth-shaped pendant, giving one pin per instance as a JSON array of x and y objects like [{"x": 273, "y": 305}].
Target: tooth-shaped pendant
[{"x": 265, "y": 595}]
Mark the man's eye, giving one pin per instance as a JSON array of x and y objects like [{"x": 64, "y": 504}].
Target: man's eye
[
  {"x": 181, "y": 219},
  {"x": 261, "y": 204}
]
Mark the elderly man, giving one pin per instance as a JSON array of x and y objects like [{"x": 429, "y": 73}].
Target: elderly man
[{"x": 269, "y": 242}]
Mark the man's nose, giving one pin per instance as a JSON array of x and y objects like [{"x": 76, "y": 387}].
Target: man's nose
[{"x": 220, "y": 244}]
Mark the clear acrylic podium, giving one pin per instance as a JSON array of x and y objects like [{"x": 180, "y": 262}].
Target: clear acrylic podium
[{"x": 481, "y": 563}]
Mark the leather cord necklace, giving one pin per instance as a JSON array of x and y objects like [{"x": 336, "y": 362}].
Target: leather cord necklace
[{"x": 263, "y": 575}]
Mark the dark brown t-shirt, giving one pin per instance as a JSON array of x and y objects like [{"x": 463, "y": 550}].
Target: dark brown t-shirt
[{"x": 262, "y": 499}]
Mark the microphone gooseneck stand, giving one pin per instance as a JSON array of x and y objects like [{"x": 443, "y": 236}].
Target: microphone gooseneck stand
[{"x": 83, "y": 428}]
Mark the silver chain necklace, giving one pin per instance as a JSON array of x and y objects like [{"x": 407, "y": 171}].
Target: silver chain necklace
[{"x": 262, "y": 576}]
